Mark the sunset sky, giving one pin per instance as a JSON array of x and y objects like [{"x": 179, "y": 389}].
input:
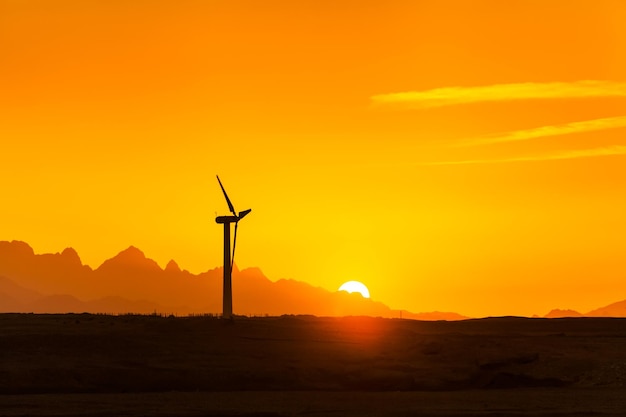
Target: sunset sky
[{"x": 464, "y": 156}]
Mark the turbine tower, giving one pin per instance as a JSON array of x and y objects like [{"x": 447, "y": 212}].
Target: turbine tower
[{"x": 227, "y": 299}]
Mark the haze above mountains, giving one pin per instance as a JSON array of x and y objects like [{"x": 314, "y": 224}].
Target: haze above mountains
[{"x": 132, "y": 283}]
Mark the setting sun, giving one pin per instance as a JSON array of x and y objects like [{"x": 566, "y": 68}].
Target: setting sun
[{"x": 355, "y": 286}]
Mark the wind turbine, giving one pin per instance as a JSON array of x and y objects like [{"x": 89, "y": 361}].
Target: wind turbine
[{"x": 227, "y": 299}]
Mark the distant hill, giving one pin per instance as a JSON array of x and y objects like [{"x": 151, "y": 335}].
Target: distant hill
[
  {"x": 131, "y": 283},
  {"x": 557, "y": 314},
  {"x": 617, "y": 309}
]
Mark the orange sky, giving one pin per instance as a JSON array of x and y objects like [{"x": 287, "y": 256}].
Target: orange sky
[{"x": 465, "y": 156}]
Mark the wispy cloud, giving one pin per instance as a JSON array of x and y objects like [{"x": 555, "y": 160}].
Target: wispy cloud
[
  {"x": 546, "y": 131},
  {"x": 449, "y": 96},
  {"x": 616, "y": 150}
]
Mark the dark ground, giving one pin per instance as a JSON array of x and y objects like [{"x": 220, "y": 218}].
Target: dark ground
[{"x": 53, "y": 365}]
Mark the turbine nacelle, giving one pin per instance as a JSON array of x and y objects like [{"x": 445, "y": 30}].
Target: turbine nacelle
[
  {"x": 232, "y": 219},
  {"x": 226, "y": 219}
]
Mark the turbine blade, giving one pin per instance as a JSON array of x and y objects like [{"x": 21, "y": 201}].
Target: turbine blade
[
  {"x": 232, "y": 263},
  {"x": 243, "y": 214},
  {"x": 230, "y": 205}
]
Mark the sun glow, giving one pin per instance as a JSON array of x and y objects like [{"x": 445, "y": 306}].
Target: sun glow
[{"x": 355, "y": 286}]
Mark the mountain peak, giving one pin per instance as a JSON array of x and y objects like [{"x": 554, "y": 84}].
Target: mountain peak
[
  {"x": 132, "y": 258},
  {"x": 17, "y": 247},
  {"x": 132, "y": 252},
  {"x": 558, "y": 313},
  {"x": 71, "y": 256},
  {"x": 172, "y": 266}
]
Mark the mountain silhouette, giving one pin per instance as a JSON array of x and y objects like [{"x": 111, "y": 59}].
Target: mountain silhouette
[
  {"x": 130, "y": 282},
  {"x": 617, "y": 309},
  {"x": 47, "y": 273},
  {"x": 129, "y": 260},
  {"x": 558, "y": 313},
  {"x": 172, "y": 267}
]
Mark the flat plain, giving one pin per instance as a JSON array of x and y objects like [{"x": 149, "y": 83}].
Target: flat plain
[{"x": 93, "y": 365}]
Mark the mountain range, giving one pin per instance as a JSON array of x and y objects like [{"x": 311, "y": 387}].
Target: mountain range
[
  {"x": 131, "y": 283},
  {"x": 617, "y": 309}
]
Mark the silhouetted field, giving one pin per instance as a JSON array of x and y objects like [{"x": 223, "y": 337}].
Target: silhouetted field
[{"x": 293, "y": 365}]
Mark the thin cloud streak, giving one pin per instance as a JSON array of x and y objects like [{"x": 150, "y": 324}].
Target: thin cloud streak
[
  {"x": 617, "y": 150},
  {"x": 449, "y": 96},
  {"x": 546, "y": 131}
]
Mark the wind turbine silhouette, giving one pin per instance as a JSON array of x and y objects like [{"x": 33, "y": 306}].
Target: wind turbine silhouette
[{"x": 227, "y": 299}]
